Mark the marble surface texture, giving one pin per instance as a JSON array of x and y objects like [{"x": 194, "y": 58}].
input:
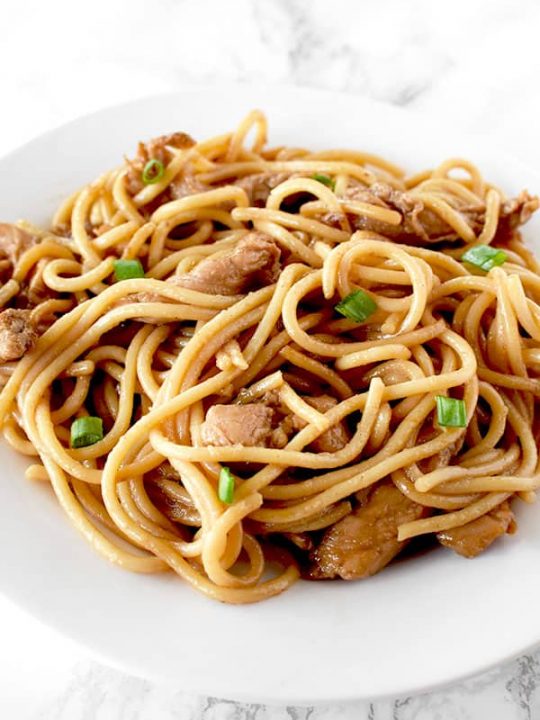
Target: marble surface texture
[{"x": 476, "y": 62}]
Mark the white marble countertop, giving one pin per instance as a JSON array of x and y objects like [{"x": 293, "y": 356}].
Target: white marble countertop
[{"x": 476, "y": 62}]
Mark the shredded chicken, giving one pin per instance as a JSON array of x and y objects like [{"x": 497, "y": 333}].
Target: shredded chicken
[
  {"x": 331, "y": 440},
  {"x": 517, "y": 211},
  {"x": 258, "y": 187},
  {"x": 186, "y": 184},
  {"x": 366, "y": 540},
  {"x": 253, "y": 263},
  {"x": 248, "y": 425},
  {"x": 155, "y": 149},
  {"x": 14, "y": 242},
  {"x": 17, "y": 334},
  {"x": 34, "y": 291},
  {"x": 473, "y": 538},
  {"x": 514, "y": 213},
  {"x": 420, "y": 224}
]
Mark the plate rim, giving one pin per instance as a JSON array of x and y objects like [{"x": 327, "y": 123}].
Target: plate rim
[{"x": 123, "y": 664}]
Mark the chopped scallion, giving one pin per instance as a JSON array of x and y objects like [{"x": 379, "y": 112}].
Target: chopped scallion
[
  {"x": 358, "y": 306},
  {"x": 226, "y": 485},
  {"x": 86, "y": 431},
  {"x": 152, "y": 172},
  {"x": 325, "y": 180},
  {"x": 128, "y": 269},
  {"x": 484, "y": 257},
  {"x": 451, "y": 412}
]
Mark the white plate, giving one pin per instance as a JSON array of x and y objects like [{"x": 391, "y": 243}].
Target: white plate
[{"x": 420, "y": 623}]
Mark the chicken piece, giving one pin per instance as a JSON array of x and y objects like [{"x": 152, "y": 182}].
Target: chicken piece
[
  {"x": 34, "y": 291},
  {"x": 155, "y": 149},
  {"x": 514, "y": 213},
  {"x": 258, "y": 187},
  {"x": 186, "y": 184},
  {"x": 14, "y": 242},
  {"x": 418, "y": 222},
  {"x": 331, "y": 440},
  {"x": 254, "y": 262},
  {"x": 365, "y": 541},
  {"x": 517, "y": 211},
  {"x": 17, "y": 334},
  {"x": 248, "y": 425},
  {"x": 473, "y": 538}
]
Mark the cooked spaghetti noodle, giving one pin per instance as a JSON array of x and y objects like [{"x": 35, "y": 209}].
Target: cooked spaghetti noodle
[{"x": 246, "y": 364}]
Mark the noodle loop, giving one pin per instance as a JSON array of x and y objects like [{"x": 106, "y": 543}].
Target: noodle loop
[{"x": 254, "y": 364}]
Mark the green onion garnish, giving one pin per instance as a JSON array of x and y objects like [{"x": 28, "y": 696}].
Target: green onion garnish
[
  {"x": 357, "y": 306},
  {"x": 451, "y": 412},
  {"x": 128, "y": 269},
  {"x": 85, "y": 431},
  {"x": 325, "y": 180},
  {"x": 484, "y": 257},
  {"x": 153, "y": 171},
  {"x": 226, "y": 485}
]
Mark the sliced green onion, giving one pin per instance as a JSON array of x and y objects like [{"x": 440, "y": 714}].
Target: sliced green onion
[
  {"x": 484, "y": 257},
  {"x": 153, "y": 171},
  {"x": 325, "y": 180},
  {"x": 451, "y": 412},
  {"x": 226, "y": 485},
  {"x": 86, "y": 431},
  {"x": 128, "y": 269},
  {"x": 357, "y": 306}
]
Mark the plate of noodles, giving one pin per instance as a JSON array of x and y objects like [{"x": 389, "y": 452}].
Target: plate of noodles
[{"x": 269, "y": 368}]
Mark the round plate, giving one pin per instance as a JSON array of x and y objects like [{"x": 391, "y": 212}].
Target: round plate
[{"x": 422, "y": 622}]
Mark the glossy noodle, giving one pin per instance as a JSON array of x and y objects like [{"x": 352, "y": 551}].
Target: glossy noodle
[{"x": 248, "y": 364}]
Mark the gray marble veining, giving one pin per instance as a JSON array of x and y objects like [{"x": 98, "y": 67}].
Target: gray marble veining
[{"x": 99, "y": 693}]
